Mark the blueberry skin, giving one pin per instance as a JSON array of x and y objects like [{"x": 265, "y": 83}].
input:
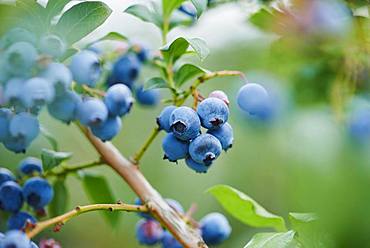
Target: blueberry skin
[
  {"x": 30, "y": 166},
  {"x": 15, "y": 239},
  {"x": 24, "y": 126},
  {"x": 85, "y": 68},
  {"x": 17, "y": 34},
  {"x": 52, "y": 45},
  {"x": 19, "y": 58},
  {"x": 175, "y": 205},
  {"x": 92, "y": 111},
  {"x": 18, "y": 221},
  {"x": 174, "y": 149},
  {"x": 5, "y": 117},
  {"x": 205, "y": 149},
  {"x": 213, "y": 113},
  {"x": 359, "y": 125},
  {"x": 197, "y": 167},
  {"x": 1, "y": 237},
  {"x": 225, "y": 135},
  {"x": 125, "y": 70},
  {"x": 215, "y": 228},
  {"x": 108, "y": 129},
  {"x": 147, "y": 216},
  {"x": 149, "y": 232},
  {"x": 13, "y": 91},
  {"x": 11, "y": 198},
  {"x": 168, "y": 241},
  {"x": 59, "y": 75},
  {"x": 37, "y": 192},
  {"x": 33, "y": 245},
  {"x": 118, "y": 100},
  {"x": 147, "y": 97},
  {"x": 220, "y": 95},
  {"x": 6, "y": 175},
  {"x": 37, "y": 91},
  {"x": 64, "y": 107},
  {"x": 253, "y": 99},
  {"x": 17, "y": 144},
  {"x": 185, "y": 123},
  {"x": 163, "y": 120}
]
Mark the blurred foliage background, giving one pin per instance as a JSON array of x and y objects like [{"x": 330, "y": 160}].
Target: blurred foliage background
[{"x": 301, "y": 161}]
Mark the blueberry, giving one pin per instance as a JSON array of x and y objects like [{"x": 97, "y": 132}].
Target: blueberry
[
  {"x": 5, "y": 117},
  {"x": 254, "y": 99},
  {"x": 147, "y": 97},
  {"x": 359, "y": 124},
  {"x": 6, "y": 175},
  {"x": 205, "y": 149},
  {"x": 59, "y": 75},
  {"x": 11, "y": 198},
  {"x": 18, "y": 34},
  {"x": 24, "y": 126},
  {"x": 30, "y": 166},
  {"x": 118, "y": 99},
  {"x": 14, "y": 90},
  {"x": 174, "y": 149},
  {"x": 125, "y": 70},
  {"x": 19, "y": 220},
  {"x": 92, "y": 111},
  {"x": 15, "y": 239},
  {"x": 197, "y": 167},
  {"x": 37, "y": 91},
  {"x": 185, "y": 123},
  {"x": 33, "y": 245},
  {"x": 149, "y": 232},
  {"x": 168, "y": 241},
  {"x": 2, "y": 236},
  {"x": 108, "y": 129},
  {"x": 37, "y": 192},
  {"x": 141, "y": 51},
  {"x": 49, "y": 243},
  {"x": 163, "y": 120},
  {"x": 225, "y": 135},
  {"x": 141, "y": 214},
  {"x": 52, "y": 45},
  {"x": 17, "y": 144},
  {"x": 64, "y": 107},
  {"x": 20, "y": 57},
  {"x": 215, "y": 228},
  {"x": 175, "y": 205},
  {"x": 188, "y": 9},
  {"x": 85, "y": 67},
  {"x": 213, "y": 113},
  {"x": 220, "y": 95}
]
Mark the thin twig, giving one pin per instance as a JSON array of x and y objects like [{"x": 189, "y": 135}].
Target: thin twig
[
  {"x": 136, "y": 158},
  {"x": 64, "y": 170}
]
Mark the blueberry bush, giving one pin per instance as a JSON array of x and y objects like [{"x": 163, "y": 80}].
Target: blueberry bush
[{"x": 49, "y": 68}]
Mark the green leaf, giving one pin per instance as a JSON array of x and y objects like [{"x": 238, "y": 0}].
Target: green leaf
[
  {"x": 50, "y": 138},
  {"x": 200, "y": 5},
  {"x": 155, "y": 83},
  {"x": 33, "y": 16},
  {"x": 82, "y": 19},
  {"x": 113, "y": 36},
  {"x": 173, "y": 51},
  {"x": 55, "y": 7},
  {"x": 273, "y": 240},
  {"x": 187, "y": 72},
  {"x": 245, "y": 209},
  {"x": 98, "y": 191},
  {"x": 169, "y": 6},
  {"x": 145, "y": 13},
  {"x": 301, "y": 218},
  {"x": 51, "y": 159},
  {"x": 263, "y": 19},
  {"x": 69, "y": 53},
  {"x": 60, "y": 200}
]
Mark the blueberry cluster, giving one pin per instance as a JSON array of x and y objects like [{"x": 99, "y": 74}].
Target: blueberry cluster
[
  {"x": 35, "y": 191},
  {"x": 214, "y": 228},
  {"x": 184, "y": 139},
  {"x": 16, "y": 239}
]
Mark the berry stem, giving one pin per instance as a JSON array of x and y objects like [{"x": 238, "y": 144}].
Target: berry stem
[
  {"x": 136, "y": 158},
  {"x": 64, "y": 170},
  {"x": 62, "y": 219}
]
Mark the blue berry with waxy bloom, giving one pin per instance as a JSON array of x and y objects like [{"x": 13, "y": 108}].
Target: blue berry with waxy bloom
[
  {"x": 118, "y": 100},
  {"x": 163, "y": 120},
  {"x": 1, "y": 236},
  {"x": 142, "y": 214},
  {"x": 17, "y": 144},
  {"x": 59, "y": 75},
  {"x": 150, "y": 97},
  {"x": 5, "y": 117},
  {"x": 213, "y": 113},
  {"x": 359, "y": 124},
  {"x": 220, "y": 95},
  {"x": 195, "y": 166},
  {"x": 108, "y": 129},
  {"x": 92, "y": 111},
  {"x": 141, "y": 51},
  {"x": 125, "y": 70},
  {"x": 37, "y": 192},
  {"x": 24, "y": 126},
  {"x": 15, "y": 239},
  {"x": 168, "y": 241},
  {"x": 215, "y": 228},
  {"x": 52, "y": 45},
  {"x": 224, "y": 134},
  {"x": 6, "y": 175},
  {"x": 174, "y": 149},
  {"x": 13, "y": 91},
  {"x": 20, "y": 58},
  {"x": 205, "y": 149},
  {"x": 149, "y": 232},
  {"x": 11, "y": 198},
  {"x": 253, "y": 99},
  {"x": 175, "y": 205},
  {"x": 30, "y": 166},
  {"x": 185, "y": 123},
  {"x": 64, "y": 106},
  {"x": 19, "y": 220},
  {"x": 85, "y": 68},
  {"x": 16, "y": 35},
  {"x": 37, "y": 91}
]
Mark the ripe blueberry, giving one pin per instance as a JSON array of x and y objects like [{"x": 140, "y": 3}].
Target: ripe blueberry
[
  {"x": 64, "y": 106},
  {"x": 6, "y": 175},
  {"x": 253, "y": 99},
  {"x": 185, "y": 123},
  {"x": 18, "y": 34},
  {"x": 85, "y": 68},
  {"x": 5, "y": 117},
  {"x": 19, "y": 220},
  {"x": 205, "y": 149},
  {"x": 108, "y": 129},
  {"x": 359, "y": 124},
  {"x": 24, "y": 126},
  {"x": 220, "y": 95},
  {"x": 125, "y": 71},
  {"x": 149, "y": 232},
  {"x": 30, "y": 165},
  {"x": 37, "y": 192},
  {"x": 17, "y": 144},
  {"x": 148, "y": 97},
  {"x": 15, "y": 239},
  {"x": 11, "y": 198},
  {"x": 37, "y": 92},
  {"x": 52, "y": 45},
  {"x": 213, "y": 113},
  {"x": 92, "y": 111},
  {"x": 141, "y": 51},
  {"x": 168, "y": 241},
  {"x": 215, "y": 228},
  {"x": 224, "y": 134},
  {"x": 163, "y": 120},
  {"x": 174, "y": 149},
  {"x": 19, "y": 58},
  {"x": 13, "y": 91},
  {"x": 118, "y": 100},
  {"x": 59, "y": 75},
  {"x": 197, "y": 167}
]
